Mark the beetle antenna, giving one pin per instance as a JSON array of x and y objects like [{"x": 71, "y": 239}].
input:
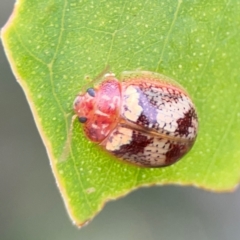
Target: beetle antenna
[
  {"x": 96, "y": 79},
  {"x": 101, "y": 74}
]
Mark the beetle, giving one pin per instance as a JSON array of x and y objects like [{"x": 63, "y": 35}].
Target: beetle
[{"x": 146, "y": 119}]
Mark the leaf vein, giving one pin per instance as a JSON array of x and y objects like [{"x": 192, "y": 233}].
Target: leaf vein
[
  {"x": 27, "y": 49},
  {"x": 227, "y": 130},
  {"x": 206, "y": 62},
  {"x": 169, "y": 33},
  {"x": 114, "y": 34},
  {"x": 50, "y": 65}
]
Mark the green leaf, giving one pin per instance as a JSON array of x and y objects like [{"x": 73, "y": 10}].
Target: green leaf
[{"x": 52, "y": 45}]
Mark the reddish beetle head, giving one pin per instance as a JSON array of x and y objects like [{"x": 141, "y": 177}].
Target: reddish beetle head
[
  {"x": 84, "y": 105},
  {"x": 98, "y": 109}
]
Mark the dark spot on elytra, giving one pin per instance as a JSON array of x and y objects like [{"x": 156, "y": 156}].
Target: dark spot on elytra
[
  {"x": 176, "y": 151},
  {"x": 137, "y": 145},
  {"x": 185, "y": 122},
  {"x": 143, "y": 120}
]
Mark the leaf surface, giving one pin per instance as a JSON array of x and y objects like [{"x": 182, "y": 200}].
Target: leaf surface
[{"x": 52, "y": 45}]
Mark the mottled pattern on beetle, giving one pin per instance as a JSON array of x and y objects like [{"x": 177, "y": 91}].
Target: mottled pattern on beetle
[
  {"x": 167, "y": 110},
  {"x": 143, "y": 149}
]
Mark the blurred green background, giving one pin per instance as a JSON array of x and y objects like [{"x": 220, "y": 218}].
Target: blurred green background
[{"x": 31, "y": 206}]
